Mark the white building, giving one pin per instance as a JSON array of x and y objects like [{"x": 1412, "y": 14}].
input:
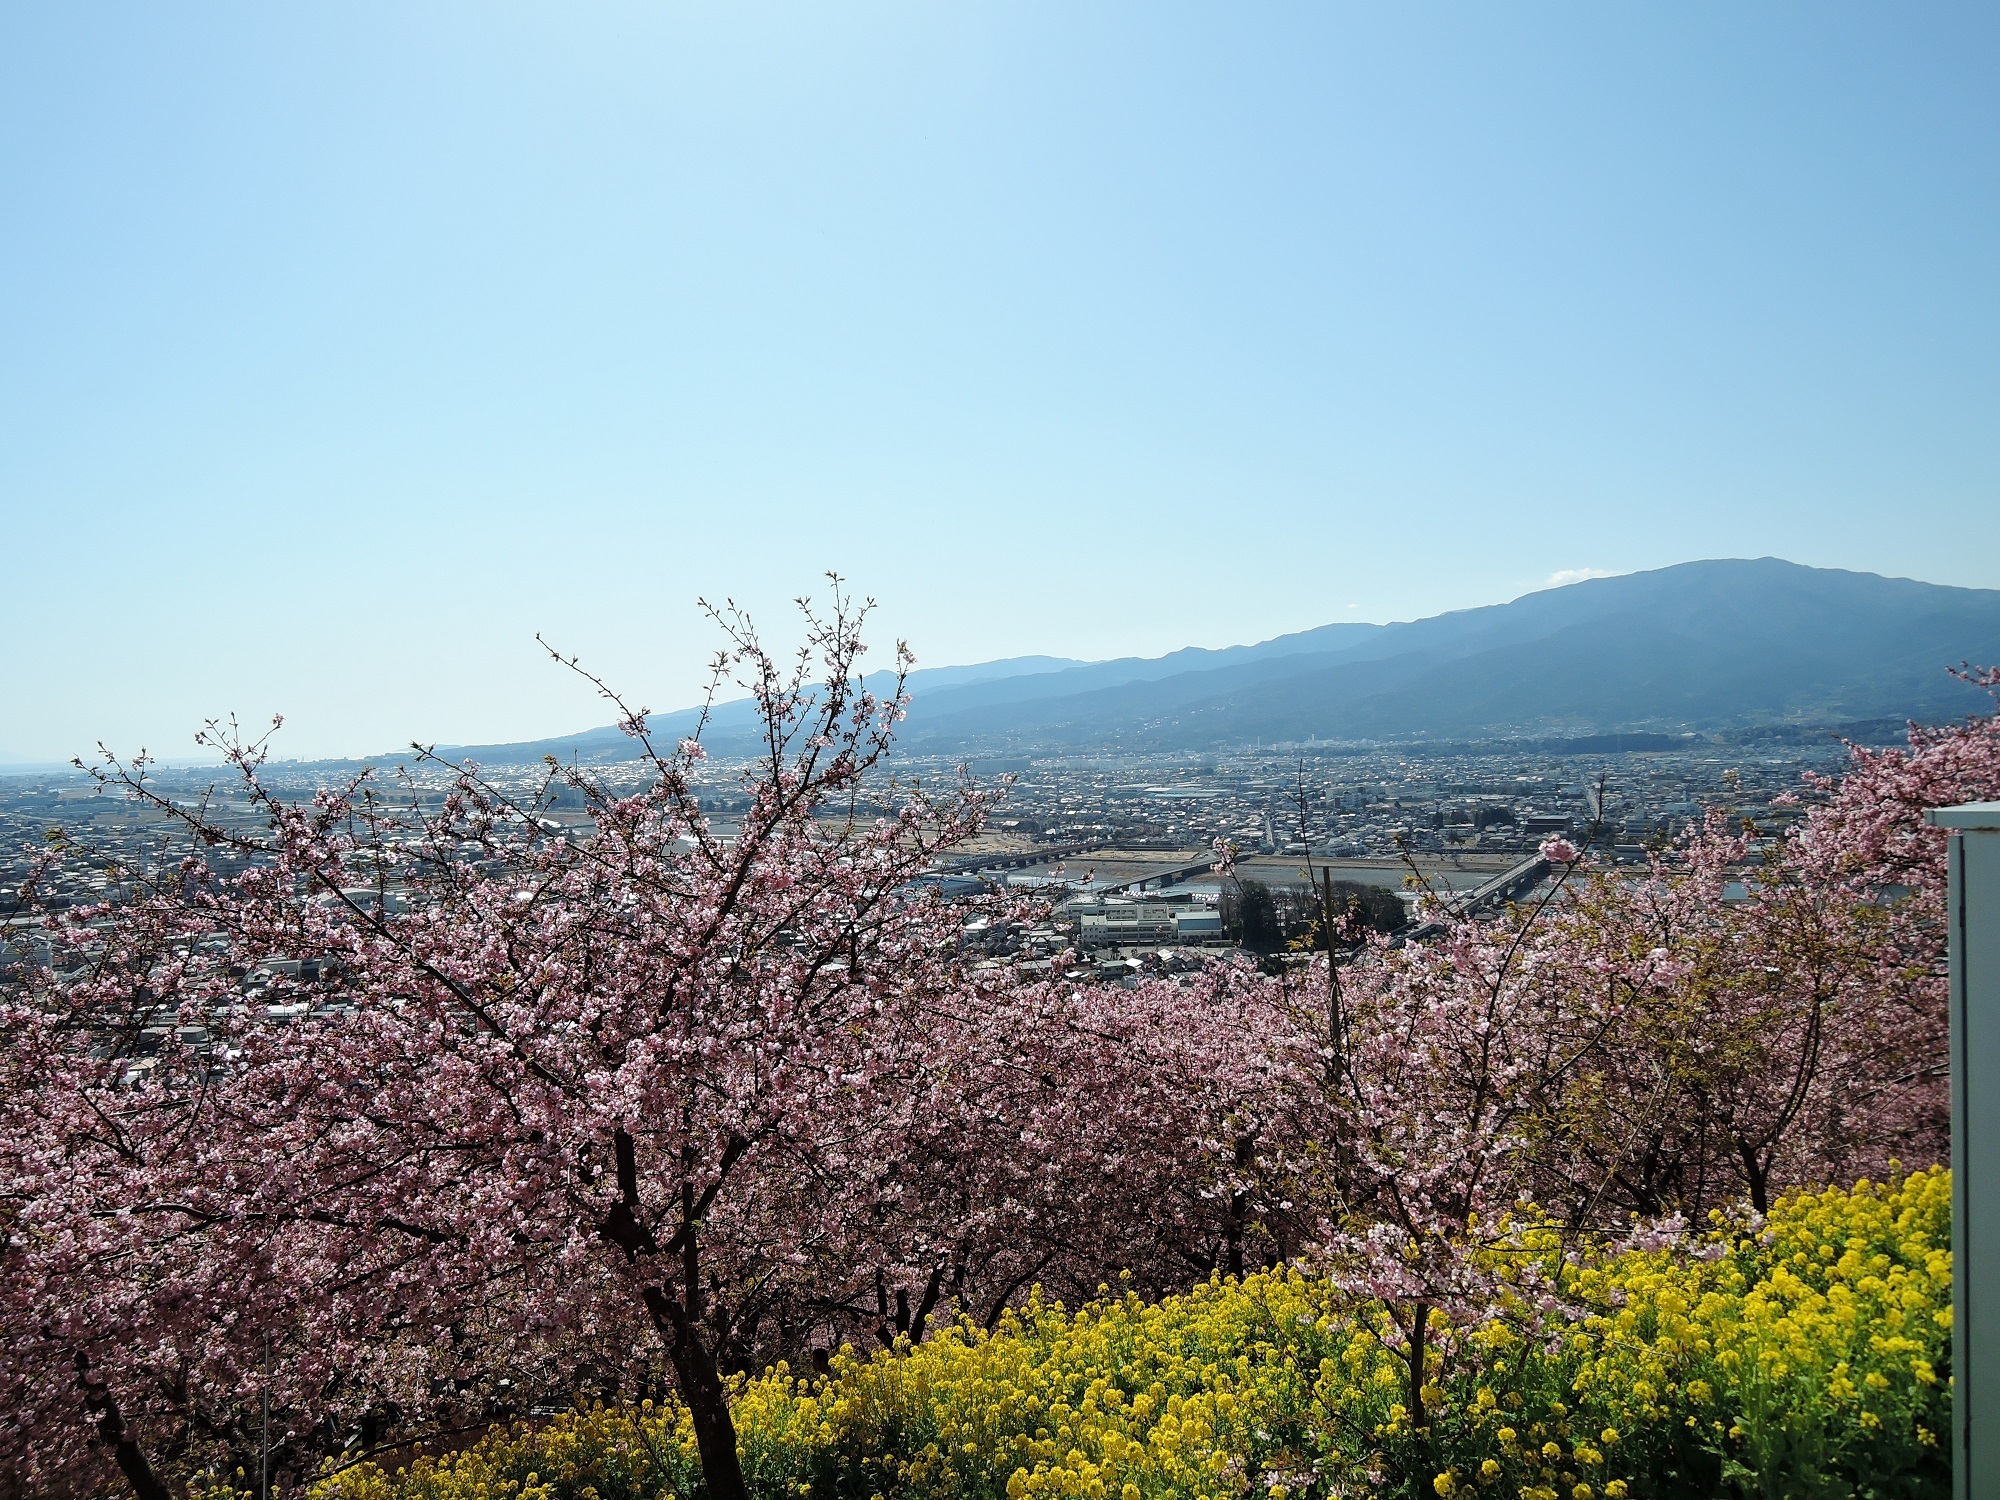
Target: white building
[{"x": 1141, "y": 924}]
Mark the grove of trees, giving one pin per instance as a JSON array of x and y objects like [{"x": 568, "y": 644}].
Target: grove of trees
[{"x": 615, "y": 1115}]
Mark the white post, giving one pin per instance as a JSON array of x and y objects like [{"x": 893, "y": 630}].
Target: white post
[{"x": 1974, "y": 917}]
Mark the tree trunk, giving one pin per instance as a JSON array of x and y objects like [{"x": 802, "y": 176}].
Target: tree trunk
[
  {"x": 1757, "y": 1173},
  {"x": 1420, "y": 1332},
  {"x": 714, "y": 1428},
  {"x": 111, "y": 1431},
  {"x": 1232, "y": 1238},
  {"x": 700, "y": 1380},
  {"x": 1239, "y": 1209}
]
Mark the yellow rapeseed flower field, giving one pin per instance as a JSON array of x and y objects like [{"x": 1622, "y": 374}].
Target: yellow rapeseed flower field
[{"x": 1806, "y": 1356}]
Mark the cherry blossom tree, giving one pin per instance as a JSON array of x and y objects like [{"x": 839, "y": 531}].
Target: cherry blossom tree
[
  {"x": 1784, "y": 993},
  {"x": 656, "y": 1077},
  {"x": 1124, "y": 1129},
  {"x": 1750, "y": 1011},
  {"x": 1412, "y": 1077}
]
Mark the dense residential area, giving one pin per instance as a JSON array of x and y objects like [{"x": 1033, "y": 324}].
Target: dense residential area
[{"x": 1121, "y": 849}]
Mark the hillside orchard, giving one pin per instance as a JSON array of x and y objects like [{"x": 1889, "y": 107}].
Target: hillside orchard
[{"x": 638, "y": 1116}]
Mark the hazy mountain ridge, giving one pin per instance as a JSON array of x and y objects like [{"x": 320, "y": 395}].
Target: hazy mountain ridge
[
  {"x": 937, "y": 690},
  {"x": 1706, "y": 645},
  {"x": 1104, "y": 675},
  {"x": 737, "y": 716},
  {"x": 1716, "y": 645}
]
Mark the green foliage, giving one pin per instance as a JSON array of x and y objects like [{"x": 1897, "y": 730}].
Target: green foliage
[{"x": 1807, "y": 1356}]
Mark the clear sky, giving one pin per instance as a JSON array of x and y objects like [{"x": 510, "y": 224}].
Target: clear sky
[{"x": 344, "y": 347}]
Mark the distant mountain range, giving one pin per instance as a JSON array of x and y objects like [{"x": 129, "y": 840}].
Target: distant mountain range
[{"x": 1725, "y": 646}]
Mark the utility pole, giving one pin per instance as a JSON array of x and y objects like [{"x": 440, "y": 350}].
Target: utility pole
[
  {"x": 1973, "y": 920},
  {"x": 264, "y": 1446}
]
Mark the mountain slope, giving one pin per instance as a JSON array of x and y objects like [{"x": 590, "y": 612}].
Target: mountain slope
[
  {"x": 736, "y": 717},
  {"x": 1702, "y": 645},
  {"x": 941, "y": 690},
  {"x": 1266, "y": 659}
]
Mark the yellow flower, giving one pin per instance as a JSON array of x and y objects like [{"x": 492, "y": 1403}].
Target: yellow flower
[{"x": 1125, "y": 1399}]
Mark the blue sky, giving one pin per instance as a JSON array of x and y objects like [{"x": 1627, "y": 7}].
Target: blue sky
[{"x": 342, "y": 348}]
